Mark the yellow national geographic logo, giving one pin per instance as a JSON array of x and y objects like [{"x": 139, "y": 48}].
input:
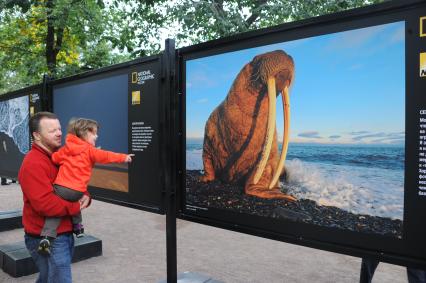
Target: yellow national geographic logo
[
  {"x": 423, "y": 64},
  {"x": 136, "y": 97},
  {"x": 422, "y": 26},
  {"x": 134, "y": 77},
  {"x": 32, "y": 111}
]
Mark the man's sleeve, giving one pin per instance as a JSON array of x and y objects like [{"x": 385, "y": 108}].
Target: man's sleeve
[{"x": 37, "y": 188}]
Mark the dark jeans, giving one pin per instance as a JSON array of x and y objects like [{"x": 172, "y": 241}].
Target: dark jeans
[
  {"x": 56, "y": 267},
  {"x": 52, "y": 223},
  {"x": 368, "y": 266}
]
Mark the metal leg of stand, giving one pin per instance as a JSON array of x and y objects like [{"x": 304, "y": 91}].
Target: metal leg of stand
[{"x": 171, "y": 241}]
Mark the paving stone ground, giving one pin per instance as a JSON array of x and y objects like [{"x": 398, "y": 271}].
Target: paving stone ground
[{"x": 134, "y": 250}]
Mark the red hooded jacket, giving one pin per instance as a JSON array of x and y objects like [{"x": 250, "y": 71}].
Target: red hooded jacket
[{"x": 76, "y": 160}]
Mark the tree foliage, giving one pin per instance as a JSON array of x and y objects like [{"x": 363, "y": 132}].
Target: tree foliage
[
  {"x": 59, "y": 38},
  {"x": 202, "y": 20},
  {"x": 64, "y": 37}
]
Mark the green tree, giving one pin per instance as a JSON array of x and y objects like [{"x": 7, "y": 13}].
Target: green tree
[
  {"x": 145, "y": 22},
  {"x": 18, "y": 61},
  {"x": 202, "y": 20},
  {"x": 60, "y": 38},
  {"x": 64, "y": 37}
]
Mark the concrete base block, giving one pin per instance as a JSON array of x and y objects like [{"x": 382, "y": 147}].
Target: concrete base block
[
  {"x": 193, "y": 277},
  {"x": 16, "y": 261},
  {"x": 10, "y": 220}
]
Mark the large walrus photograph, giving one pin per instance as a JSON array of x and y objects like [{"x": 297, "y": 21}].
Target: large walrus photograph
[{"x": 310, "y": 130}]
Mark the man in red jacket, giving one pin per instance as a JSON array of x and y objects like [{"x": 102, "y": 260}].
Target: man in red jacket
[{"x": 36, "y": 177}]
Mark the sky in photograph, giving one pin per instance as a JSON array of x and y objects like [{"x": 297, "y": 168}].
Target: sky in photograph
[{"x": 349, "y": 87}]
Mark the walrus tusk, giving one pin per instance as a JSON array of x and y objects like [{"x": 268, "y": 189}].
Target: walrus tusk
[
  {"x": 286, "y": 105},
  {"x": 272, "y": 96}
]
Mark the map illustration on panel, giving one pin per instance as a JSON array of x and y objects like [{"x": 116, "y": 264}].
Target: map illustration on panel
[{"x": 14, "y": 115}]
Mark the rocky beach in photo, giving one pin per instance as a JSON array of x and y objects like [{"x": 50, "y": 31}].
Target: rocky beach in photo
[{"x": 231, "y": 197}]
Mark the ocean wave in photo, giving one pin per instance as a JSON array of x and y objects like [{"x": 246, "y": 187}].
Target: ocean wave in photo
[
  {"x": 359, "y": 179},
  {"x": 372, "y": 191}
]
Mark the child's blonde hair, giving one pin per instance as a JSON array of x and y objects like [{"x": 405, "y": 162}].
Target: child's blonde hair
[{"x": 80, "y": 126}]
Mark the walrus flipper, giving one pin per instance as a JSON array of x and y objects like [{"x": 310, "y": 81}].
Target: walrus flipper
[{"x": 258, "y": 190}]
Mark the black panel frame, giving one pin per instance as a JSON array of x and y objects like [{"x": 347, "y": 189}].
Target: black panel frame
[
  {"x": 128, "y": 199},
  {"x": 335, "y": 240}
]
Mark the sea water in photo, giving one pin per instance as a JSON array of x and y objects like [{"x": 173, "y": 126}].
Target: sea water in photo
[{"x": 362, "y": 179}]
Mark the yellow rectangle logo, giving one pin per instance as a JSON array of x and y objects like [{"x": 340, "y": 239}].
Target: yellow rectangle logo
[
  {"x": 136, "y": 97},
  {"x": 31, "y": 111},
  {"x": 422, "y": 26},
  {"x": 423, "y": 64}
]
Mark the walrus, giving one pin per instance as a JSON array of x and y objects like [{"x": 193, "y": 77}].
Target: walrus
[{"x": 240, "y": 139}]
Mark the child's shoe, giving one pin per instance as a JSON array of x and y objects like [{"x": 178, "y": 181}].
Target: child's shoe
[
  {"x": 78, "y": 230},
  {"x": 44, "y": 246}
]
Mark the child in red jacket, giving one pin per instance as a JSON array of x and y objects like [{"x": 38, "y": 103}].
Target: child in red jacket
[{"x": 76, "y": 160}]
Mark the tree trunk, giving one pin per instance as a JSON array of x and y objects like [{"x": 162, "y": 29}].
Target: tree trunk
[{"x": 50, "y": 41}]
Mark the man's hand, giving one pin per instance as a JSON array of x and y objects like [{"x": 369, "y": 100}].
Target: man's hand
[{"x": 84, "y": 201}]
